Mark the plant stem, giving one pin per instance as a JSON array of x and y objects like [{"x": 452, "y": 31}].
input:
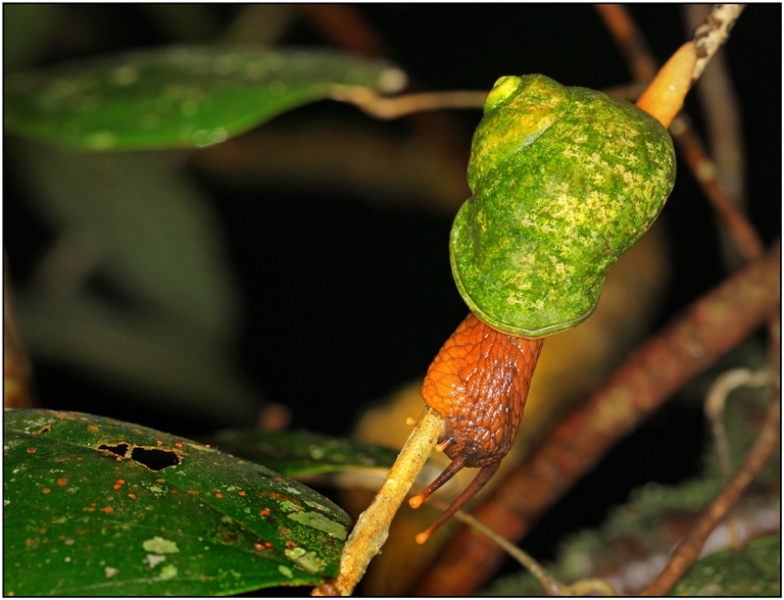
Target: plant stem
[
  {"x": 689, "y": 549},
  {"x": 372, "y": 528}
]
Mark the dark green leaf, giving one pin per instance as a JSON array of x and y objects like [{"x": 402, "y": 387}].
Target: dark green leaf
[
  {"x": 94, "y": 506},
  {"x": 301, "y": 453},
  {"x": 754, "y": 571},
  {"x": 178, "y": 96}
]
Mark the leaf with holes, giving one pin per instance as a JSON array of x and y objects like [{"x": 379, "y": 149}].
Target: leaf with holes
[
  {"x": 181, "y": 96},
  {"x": 95, "y": 506},
  {"x": 303, "y": 452}
]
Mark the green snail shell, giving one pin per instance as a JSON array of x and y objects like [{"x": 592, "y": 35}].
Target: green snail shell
[{"x": 564, "y": 181}]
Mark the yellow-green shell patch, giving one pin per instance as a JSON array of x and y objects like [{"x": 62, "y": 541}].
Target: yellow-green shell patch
[{"x": 564, "y": 181}]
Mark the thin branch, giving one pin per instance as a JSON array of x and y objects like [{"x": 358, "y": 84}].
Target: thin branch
[
  {"x": 372, "y": 528},
  {"x": 705, "y": 171},
  {"x": 689, "y": 549},
  {"x": 715, "y": 401},
  {"x": 552, "y": 586},
  {"x": 392, "y": 108},
  {"x": 709, "y": 36},
  {"x": 722, "y": 114},
  {"x": 692, "y": 342},
  {"x": 630, "y": 40},
  {"x": 343, "y": 26}
]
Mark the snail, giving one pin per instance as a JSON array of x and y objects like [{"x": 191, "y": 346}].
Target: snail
[{"x": 564, "y": 180}]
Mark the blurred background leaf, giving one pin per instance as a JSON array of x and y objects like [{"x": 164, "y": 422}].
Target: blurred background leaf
[{"x": 145, "y": 353}]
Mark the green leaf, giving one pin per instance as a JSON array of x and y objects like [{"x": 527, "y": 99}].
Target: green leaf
[
  {"x": 95, "y": 506},
  {"x": 181, "y": 96},
  {"x": 303, "y": 452},
  {"x": 160, "y": 361},
  {"x": 754, "y": 571},
  {"x": 147, "y": 226}
]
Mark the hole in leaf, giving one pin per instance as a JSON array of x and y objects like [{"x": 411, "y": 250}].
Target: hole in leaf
[
  {"x": 45, "y": 429},
  {"x": 119, "y": 449},
  {"x": 155, "y": 459}
]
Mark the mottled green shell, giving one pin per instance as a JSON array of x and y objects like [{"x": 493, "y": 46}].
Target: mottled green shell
[{"x": 564, "y": 181}]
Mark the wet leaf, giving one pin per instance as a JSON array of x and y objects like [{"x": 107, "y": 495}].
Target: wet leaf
[
  {"x": 95, "y": 506},
  {"x": 182, "y": 96},
  {"x": 303, "y": 452},
  {"x": 754, "y": 571}
]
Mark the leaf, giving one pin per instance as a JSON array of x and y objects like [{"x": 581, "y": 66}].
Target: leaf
[
  {"x": 158, "y": 360},
  {"x": 181, "y": 96},
  {"x": 95, "y": 506},
  {"x": 303, "y": 453},
  {"x": 754, "y": 571},
  {"x": 153, "y": 232}
]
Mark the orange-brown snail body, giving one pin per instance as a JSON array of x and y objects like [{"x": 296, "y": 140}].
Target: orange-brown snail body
[{"x": 478, "y": 383}]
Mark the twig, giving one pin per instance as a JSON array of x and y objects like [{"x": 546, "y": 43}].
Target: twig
[
  {"x": 372, "y": 528},
  {"x": 705, "y": 171},
  {"x": 392, "y": 108},
  {"x": 692, "y": 342},
  {"x": 721, "y": 111},
  {"x": 689, "y": 549},
  {"x": 343, "y": 26},
  {"x": 552, "y": 586},
  {"x": 709, "y": 36},
  {"x": 630, "y": 40},
  {"x": 715, "y": 402}
]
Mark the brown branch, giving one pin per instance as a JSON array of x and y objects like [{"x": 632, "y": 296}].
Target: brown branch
[
  {"x": 708, "y": 328},
  {"x": 630, "y": 40},
  {"x": 689, "y": 549},
  {"x": 343, "y": 26},
  {"x": 399, "y": 106},
  {"x": 707, "y": 37},
  {"x": 721, "y": 111},
  {"x": 705, "y": 171}
]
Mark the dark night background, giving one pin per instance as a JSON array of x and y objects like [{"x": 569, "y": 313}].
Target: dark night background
[{"x": 364, "y": 290}]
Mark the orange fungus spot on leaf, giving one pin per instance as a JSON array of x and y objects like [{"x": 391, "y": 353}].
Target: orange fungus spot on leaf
[
  {"x": 241, "y": 493},
  {"x": 258, "y": 547},
  {"x": 31, "y": 450},
  {"x": 193, "y": 492},
  {"x": 46, "y": 490},
  {"x": 107, "y": 509},
  {"x": 93, "y": 428},
  {"x": 219, "y": 495},
  {"x": 62, "y": 482},
  {"x": 133, "y": 496},
  {"x": 178, "y": 444}
]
